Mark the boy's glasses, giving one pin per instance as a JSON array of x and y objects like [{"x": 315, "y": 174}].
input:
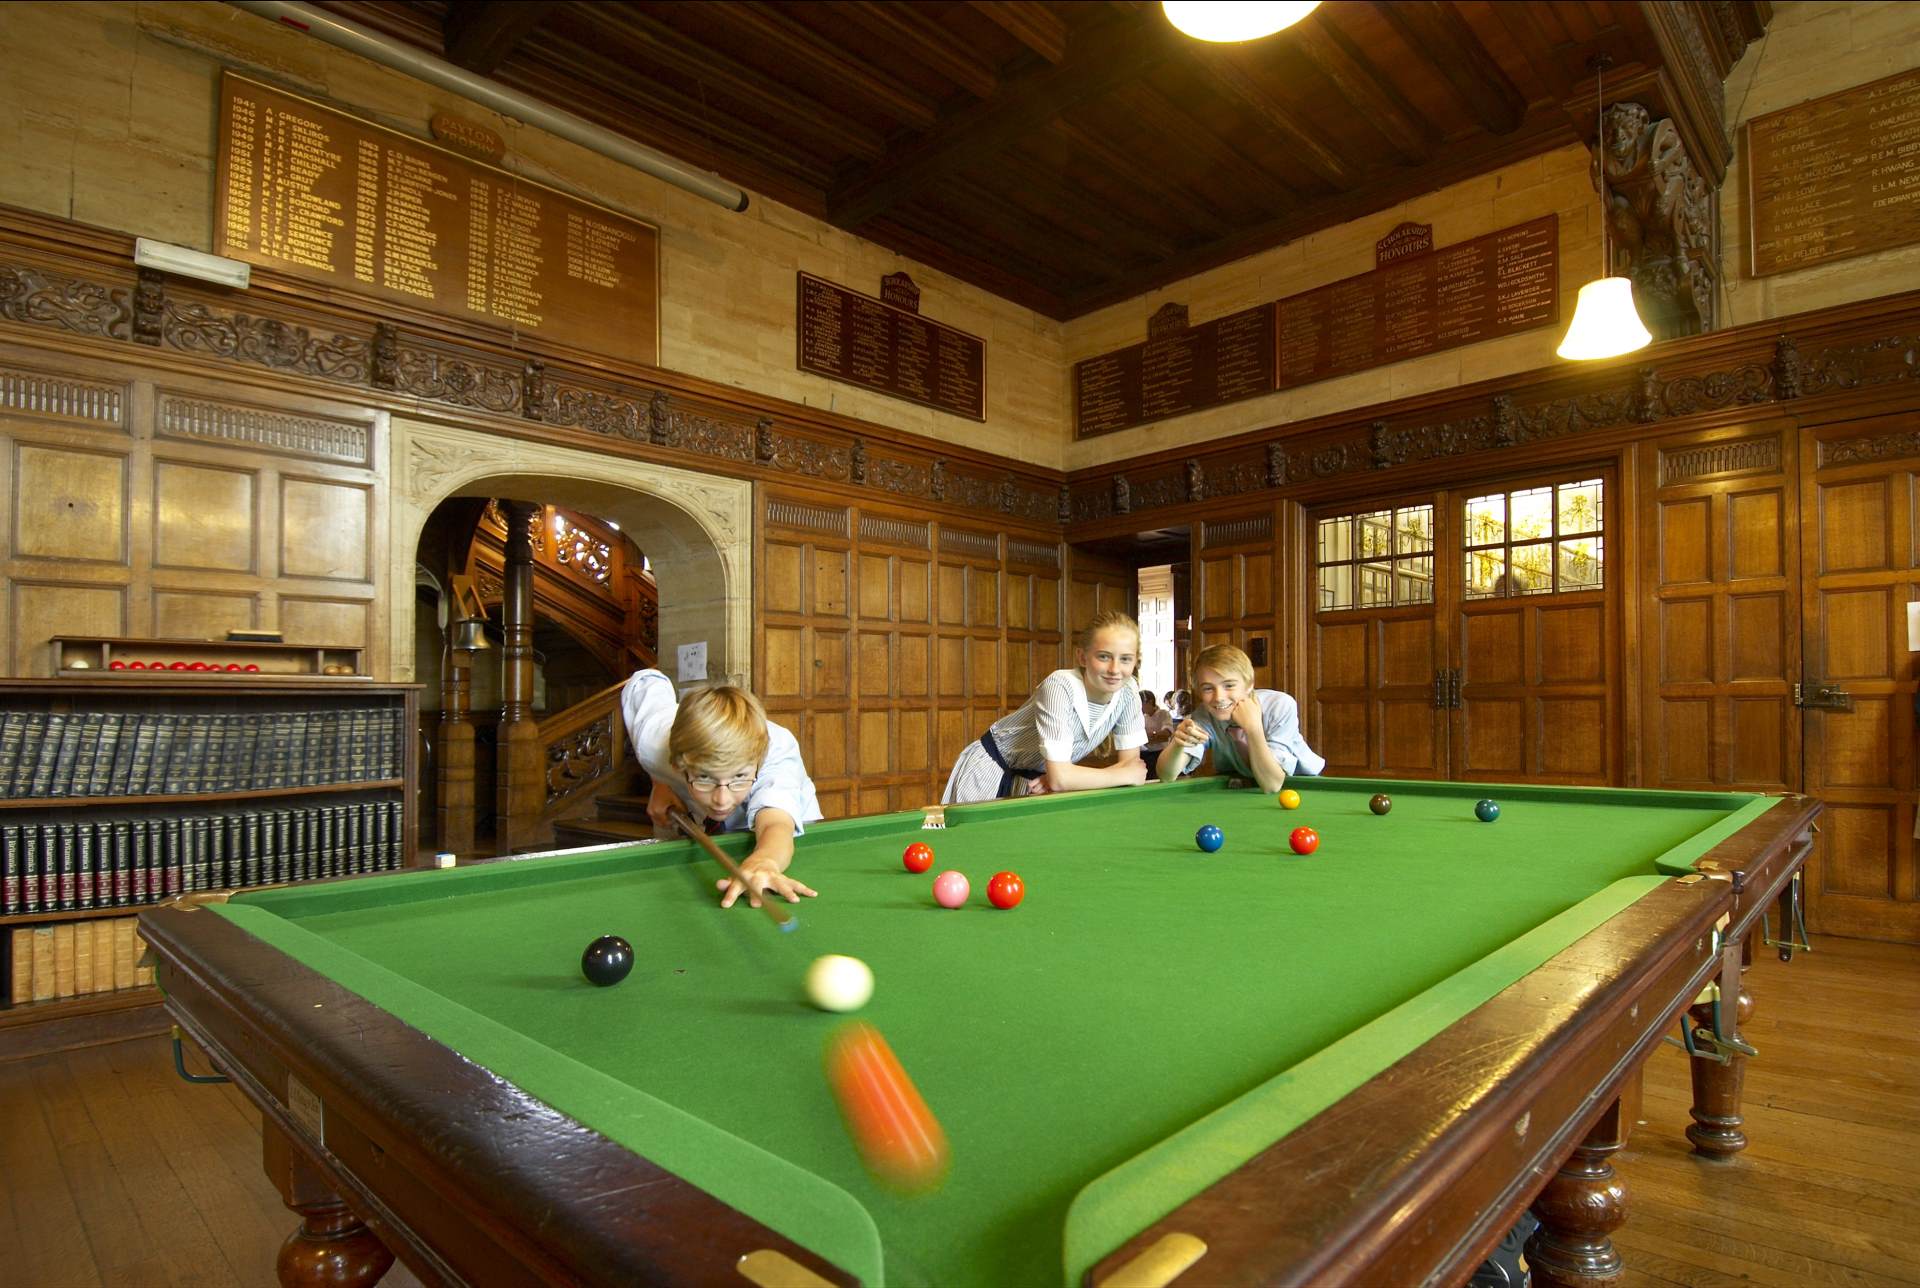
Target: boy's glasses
[{"x": 707, "y": 782}]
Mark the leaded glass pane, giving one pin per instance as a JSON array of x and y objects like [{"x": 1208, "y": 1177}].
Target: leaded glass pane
[
  {"x": 1336, "y": 587},
  {"x": 1580, "y": 508},
  {"x": 1531, "y": 514},
  {"x": 1375, "y": 532},
  {"x": 1336, "y": 539},
  {"x": 1532, "y": 570},
  {"x": 1413, "y": 529},
  {"x": 1376, "y": 585},
  {"x": 1486, "y": 569},
  {"x": 1413, "y": 580},
  {"x": 1582, "y": 564},
  {"x": 1486, "y": 520}
]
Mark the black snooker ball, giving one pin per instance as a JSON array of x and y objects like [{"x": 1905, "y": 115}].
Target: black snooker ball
[
  {"x": 1381, "y": 803},
  {"x": 607, "y": 960}
]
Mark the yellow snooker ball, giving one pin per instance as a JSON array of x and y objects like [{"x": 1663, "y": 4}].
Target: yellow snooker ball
[{"x": 1289, "y": 799}]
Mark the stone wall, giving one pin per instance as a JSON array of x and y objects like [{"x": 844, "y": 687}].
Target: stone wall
[
  {"x": 1811, "y": 50},
  {"x": 108, "y": 116}
]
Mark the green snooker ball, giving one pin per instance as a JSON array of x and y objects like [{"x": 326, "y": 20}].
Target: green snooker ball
[{"x": 1486, "y": 811}]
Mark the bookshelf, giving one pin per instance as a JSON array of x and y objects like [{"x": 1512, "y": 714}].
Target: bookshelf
[{"x": 117, "y": 794}]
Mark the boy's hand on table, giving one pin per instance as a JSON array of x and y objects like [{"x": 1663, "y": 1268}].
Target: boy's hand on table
[{"x": 761, "y": 875}]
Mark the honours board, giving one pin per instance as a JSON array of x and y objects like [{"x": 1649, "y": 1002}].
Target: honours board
[
  {"x": 311, "y": 191},
  {"x": 860, "y": 340},
  {"x": 1497, "y": 285},
  {"x": 1835, "y": 177},
  {"x": 1216, "y": 362}
]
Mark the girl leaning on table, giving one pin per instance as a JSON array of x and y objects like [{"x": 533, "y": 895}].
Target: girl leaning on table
[
  {"x": 1254, "y": 733},
  {"x": 1038, "y": 748},
  {"x": 716, "y": 756}
]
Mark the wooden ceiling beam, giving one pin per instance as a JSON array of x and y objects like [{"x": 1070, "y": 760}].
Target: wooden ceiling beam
[
  {"x": 800, "y": 46},
  {"x": 930, "y": 45},
  {"x": 1030, "y": 23},
  {"x": 733, "y": 83},
  {"x": 964, "y": 253},
  {"x": 1441, "y": 37},
  {"x": 1080, "y": 213},
  {"x": 479, "y": 34},
  {"x": 1105, "y": 56},
  {"x": 1365, "y": 90},
  {"x": 1227, "y": 66},
  {"x": 1170, "y": 121},
  {"x": 564, "y": 72},
  {"x": 1194, "y": 210}
]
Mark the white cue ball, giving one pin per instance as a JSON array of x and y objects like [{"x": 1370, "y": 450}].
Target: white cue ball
[{"x": 837, "y": 983}]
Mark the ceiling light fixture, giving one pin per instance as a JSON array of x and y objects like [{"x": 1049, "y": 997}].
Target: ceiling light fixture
[
  {"x": 1605, "y": 322},
  {"x": 1225, "y": 21},
  {"x": 183, "y": 261}
]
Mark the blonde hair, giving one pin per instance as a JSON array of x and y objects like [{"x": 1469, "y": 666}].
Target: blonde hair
[
  {"x": 719, "y": 728},
  {"x": 1112, "y": 619},
  {"x": 1225, "y": 660}
]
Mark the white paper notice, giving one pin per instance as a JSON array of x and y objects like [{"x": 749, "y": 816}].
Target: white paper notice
[{"x": 693, "y": 661}]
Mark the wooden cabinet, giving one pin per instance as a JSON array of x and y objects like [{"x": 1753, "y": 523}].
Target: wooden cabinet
[{"x": 117, "y": 793}]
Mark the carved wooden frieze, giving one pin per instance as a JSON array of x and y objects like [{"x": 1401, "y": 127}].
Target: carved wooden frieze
[
  {"x": 1867, "y": 448},
  {"x": 193, "y": 327},
  {"x": 43, "y": 298},
  {"x": 440, "y": 377},
  {"x": 45, "y": 395}
]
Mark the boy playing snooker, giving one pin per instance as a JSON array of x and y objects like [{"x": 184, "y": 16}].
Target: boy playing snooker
[{"x": 715, "y": 755}]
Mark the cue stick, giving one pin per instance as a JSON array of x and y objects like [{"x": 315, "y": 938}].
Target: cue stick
[{"x": 777, "y": 914}]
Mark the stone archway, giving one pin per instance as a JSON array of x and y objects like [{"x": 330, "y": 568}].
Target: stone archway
[{"x": 695, "y": 528}]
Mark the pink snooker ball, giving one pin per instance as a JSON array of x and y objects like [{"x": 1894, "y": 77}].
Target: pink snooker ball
[{"x": 950, "y": 889}]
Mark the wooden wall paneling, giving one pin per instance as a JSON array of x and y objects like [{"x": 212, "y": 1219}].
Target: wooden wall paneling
[
  {"x": 804, "y": 636},
  {"x": 895, "y": 563},
  {"x": 1719, "y": 632},
  {"x": 1235, "y": 587},
  {"x": 167, "y": 505},
  {"x": 1858, "y": 517}
]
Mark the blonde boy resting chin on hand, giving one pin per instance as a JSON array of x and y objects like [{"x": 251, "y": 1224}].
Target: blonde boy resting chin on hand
[
  {"x": 1254, "y": 733},
  {"x": 716, "y": 756}
]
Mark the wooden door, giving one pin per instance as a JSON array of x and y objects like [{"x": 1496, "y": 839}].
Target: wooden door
[
  {"x": 1857, "y": 526},
  {"x": 893, "y": 669},
  {"x": 967, "y": 608},
  {"x": 1536, "y": 639},
  {"x": 1096, "y": 584},
  {"x": 1234, "y": 590},
  {"x": 1720, "y": 630},
  {"x": 1378, "y": 647}
]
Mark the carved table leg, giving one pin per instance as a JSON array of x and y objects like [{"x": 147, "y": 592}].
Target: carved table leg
[
  {"x": 332, "y": 1248},
  {"x": 1584, "y": 1204},
  {"x": 1715, "y": 1131}
]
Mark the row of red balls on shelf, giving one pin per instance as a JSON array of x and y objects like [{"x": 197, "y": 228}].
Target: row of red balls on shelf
[{"x": 118, "y": 665}]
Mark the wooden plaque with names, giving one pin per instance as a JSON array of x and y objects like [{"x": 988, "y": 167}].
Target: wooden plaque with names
[
  {"x": 1496, "y": 285},
  {"x": 311, "y": 191},
  {"x": 1835, "y": 177},
  {"x": 1179, "y": 370},
  {"x": 860, "y": 340}
]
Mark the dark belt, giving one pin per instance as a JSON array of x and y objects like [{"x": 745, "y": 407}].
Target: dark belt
[{"x": 1007, "y": 772}]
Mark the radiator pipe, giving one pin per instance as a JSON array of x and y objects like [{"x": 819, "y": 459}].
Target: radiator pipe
[{"x": 402, "y": 57}]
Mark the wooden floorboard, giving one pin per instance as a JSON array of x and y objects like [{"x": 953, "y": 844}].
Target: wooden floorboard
[{"x": 118, "y": 1173}]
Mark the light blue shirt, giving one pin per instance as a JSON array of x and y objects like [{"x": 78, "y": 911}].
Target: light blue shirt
[
  {"x": 1279, "y": 720},
  {"x": 648, "y": 703}
]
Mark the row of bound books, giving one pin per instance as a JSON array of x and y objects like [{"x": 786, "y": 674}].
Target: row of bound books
[
  {"x": 74, "y": 958},
  {"x": 55, "y": 867},
  {"x": 154, "y": 753}
]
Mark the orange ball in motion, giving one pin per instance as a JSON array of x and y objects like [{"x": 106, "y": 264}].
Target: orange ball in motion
[{"x": 899, "y": 1139}]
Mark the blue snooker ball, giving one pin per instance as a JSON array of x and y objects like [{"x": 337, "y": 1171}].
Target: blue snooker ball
[
  {"x": 1486, "y": 811},
  {"x": 1210, "y": 838}
]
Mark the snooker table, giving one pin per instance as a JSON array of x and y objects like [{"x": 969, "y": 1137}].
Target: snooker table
[{"x": 1355, "y": 1066}]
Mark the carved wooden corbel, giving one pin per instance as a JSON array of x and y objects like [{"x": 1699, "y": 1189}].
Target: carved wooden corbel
[{"x": 1663, "y": 222}]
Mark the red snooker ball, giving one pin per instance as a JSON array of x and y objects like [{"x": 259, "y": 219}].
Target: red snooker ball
[
  {"x": 233, "y": 666},
  {"x": 118, "y": 665},
  {"x": 918, "y": 857},
  {"x": 174, "y": 666},
  {"x": 1304, "y": 840},
  {"x": 1006, "y": 889},
  {"x": 196, "y": 666},
  {"x": 136, "y": 666},
  {"x": 252, "y": 667}
]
